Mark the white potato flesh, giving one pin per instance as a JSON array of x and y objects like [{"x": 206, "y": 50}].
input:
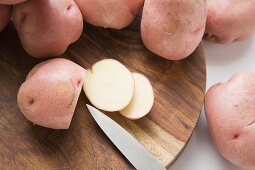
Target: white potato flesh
[
  {"x": 142, "y": 100},
  {"x": 109, "y": 85}
]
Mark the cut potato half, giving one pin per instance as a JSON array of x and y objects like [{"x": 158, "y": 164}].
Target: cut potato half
[
  {"x": 109, "y": 85},
  {"x": 142, "y": 100}
]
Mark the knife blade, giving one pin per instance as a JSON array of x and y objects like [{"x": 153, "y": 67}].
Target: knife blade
[{"x": 136, "y": 154}]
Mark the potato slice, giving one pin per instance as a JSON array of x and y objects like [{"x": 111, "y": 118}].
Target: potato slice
[
  {"x": 109, "y": 85},
  {"x": 142, "y": 100}
]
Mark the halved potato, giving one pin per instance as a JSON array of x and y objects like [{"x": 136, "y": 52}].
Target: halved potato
[
  {"x": 142, "y": 100},
  {"x": 109, "y": 85},
  {"x": 50, "y": 93}
]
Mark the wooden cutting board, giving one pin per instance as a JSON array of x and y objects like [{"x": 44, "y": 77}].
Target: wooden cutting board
[{"x": 179, "y": 88}]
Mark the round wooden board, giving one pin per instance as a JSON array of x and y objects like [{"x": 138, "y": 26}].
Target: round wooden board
[{"x": 179, "y": 92}]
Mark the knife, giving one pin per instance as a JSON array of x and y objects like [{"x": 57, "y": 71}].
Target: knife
[{"x": 137, "y": 155}]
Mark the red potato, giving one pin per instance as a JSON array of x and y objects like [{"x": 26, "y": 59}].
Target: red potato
[
  {"x": 230, "y": 21},
  {"x": 173, "y": 28},
  {"x": 11, "y": 1},
  {"x": 115, "y": 14},
  {"x": 230, "y": 113},
  {"x": 5, "y": 14},
  {"x": 47, "y": 27},
  {"x": 50, "y": 93}
]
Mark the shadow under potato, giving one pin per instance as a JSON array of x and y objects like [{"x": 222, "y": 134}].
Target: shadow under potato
[{"x": 232, "y": 52}]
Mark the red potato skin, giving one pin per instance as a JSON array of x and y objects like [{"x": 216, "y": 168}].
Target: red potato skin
[
  {"x": 173, "y": 29},
  {"x": 5, "y": 14},
  {"x": 111, "y": 13},
  {"x": 50, "y": 93},
  {"x": 230, "y": 21},
  {"x": 10, "y": 2},
  {"x": 230, "y": 112},
  {"x": 47, "y": 27}
]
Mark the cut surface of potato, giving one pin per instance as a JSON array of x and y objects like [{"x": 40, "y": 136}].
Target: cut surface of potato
[
  {"x": 109, "y": 85},
  {"x": 142, "y": 100}
]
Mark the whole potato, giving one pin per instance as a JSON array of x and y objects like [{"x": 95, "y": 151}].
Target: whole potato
[
  {"x": 115, "y": 14},
  {"x": 11, "y": 1},
  {"x": 230, "y": 21},
  {"x": 173, "y": 28},
  {"x": 230, "y": 112},
  {"x": 50, "y": 93},
  {"x": 47, "y": 27},
  {"x": 5, "y": 14}
]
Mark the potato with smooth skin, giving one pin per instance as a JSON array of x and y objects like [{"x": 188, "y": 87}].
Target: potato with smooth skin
[
  {"x": 11, "y": 1},
  {"x": 50, "y": 93},
  {"x": 230, "y": 21},
  {"x": 47, "y": 27},
  {"x": 5, "y": 14},
  {"x": 173, "y": 28},
  {"x": 115, "y": 14},
  {"x": 230, "y": 112}
]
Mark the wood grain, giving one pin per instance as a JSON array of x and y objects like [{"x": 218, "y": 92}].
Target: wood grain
[{"x": 179, "y": 91}]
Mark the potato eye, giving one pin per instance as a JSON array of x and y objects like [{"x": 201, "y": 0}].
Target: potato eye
[
  {"x": 236, "y": 136},
  {"x": 78, "y": 83},
  {"x": 31, "y": 101},
  {"x": 69, "y": 7}
]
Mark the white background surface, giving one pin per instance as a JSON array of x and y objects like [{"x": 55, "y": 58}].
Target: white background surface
[{"x": 222, "y": 62}]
